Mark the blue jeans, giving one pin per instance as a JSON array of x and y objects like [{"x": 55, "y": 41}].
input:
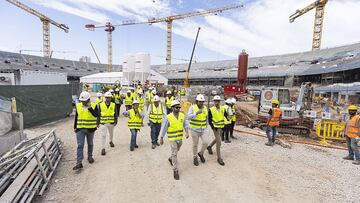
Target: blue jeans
[
  {"x": 348, "y": 143},
  {"x": 155, "y": 131},
  {"x": 133, "y": 137},
  {"x": 355, "y": 149},
  {"x": 80, "y": 138},
  {"x": 271, "y": 133}
]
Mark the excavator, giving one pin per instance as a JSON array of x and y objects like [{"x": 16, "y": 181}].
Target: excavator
[{"x": 292, "y": 120}]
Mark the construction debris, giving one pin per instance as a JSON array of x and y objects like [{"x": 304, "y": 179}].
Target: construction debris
[{"x": 26, "y": 170}]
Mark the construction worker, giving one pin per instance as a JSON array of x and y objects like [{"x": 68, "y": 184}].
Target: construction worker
[
  {"x": 135, "y": 122},
  {"x": 128, "y": 100},
  {"x": 108, "y": 119},
  {"x": 139, "y": 97},
  {"x": 149, "y": 97},
  {"x": 168, "y": 99},
  {"x": 273, "y": 122},
  {"x": 133, "y": 94},
  {"x": 352, "y": 133},
  {"x": 227, "y": 120},
  {"x": 85, "y": 125},
  {"x": 233, "y": 118},
  {"x": 117, "y": 99},
  {"x": 99, "y": 98},
  {"x": 174, "y": 125},
  {"x": 198, "y": 115},
  {"x": 182, "y": 92},
  {"x": 156, "y": 113},
  {"x": 216, "y": 116}
]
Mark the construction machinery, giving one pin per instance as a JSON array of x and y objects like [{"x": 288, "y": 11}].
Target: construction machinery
[
  {"x": 46, "y": 21},
  {"x": 186, "y": 80},
  {"x": 319, "y": 5},
  {"x": 292, "y": 120}
]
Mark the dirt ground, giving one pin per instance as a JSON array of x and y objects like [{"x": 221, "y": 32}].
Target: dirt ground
[{"x": 253, "y": 172}]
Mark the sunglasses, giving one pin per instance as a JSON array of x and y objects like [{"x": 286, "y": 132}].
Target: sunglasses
[{"x": 177, "y": 107}]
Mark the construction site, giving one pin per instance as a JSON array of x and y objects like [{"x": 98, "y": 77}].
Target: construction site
[{"x": 289, "y": 124}]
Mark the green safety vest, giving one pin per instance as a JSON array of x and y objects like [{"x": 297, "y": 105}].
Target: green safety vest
[
  {"x": 141, "y": 102},
  {"x": 200, "y": 120},
  {"x": 84, "y": 118},
  {"x": 128, "y": 100},
  {"x": 156, "y": 113},
  {"x": 168, "y": 101},
  {"x": 176, "y": 127},
  {"x": 134, "y": 121},
  {"x": 99, "y": 100},
  {"x": 226, "y": 121},
  {"x": 107, "y": 114},
  {"x": 217, "y": 116},
  {"x": 117, "y": 98}
]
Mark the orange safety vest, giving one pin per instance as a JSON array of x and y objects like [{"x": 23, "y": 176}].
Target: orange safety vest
[
  {"x": 275, "y": 119},
  {"x": 354, "y": 128}
]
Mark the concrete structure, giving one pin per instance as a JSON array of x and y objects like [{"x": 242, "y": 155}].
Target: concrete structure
[{"x": 340, "y": 92}]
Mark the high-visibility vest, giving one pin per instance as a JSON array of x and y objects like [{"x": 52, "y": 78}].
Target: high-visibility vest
[
  {"x": 353, "y": 127},
  {"x": 141, "y": 102},
  {"x": 217, "y": 116},
  {"x": 117, "y": 98},
  {"x": 128, "y": 100},
  {"x": 156, "y": 113},
  {"x": 99, "y": 100},
  {"x": 275, "y": 119},
  {"x": 182, "y": 92},
  {"x": 134, "y": 120},
  {"x": 233, "y": 118},
  {"x": 199, "y": 122},
  {"x": 226, "y": 121},
  {"x": 107, "y": 114},
  {"x": 168, "y": 101},
  {"x": 149, "y": 97},
  {"x": 176, "y": 126},
  {"x": 84, "y": 118}
]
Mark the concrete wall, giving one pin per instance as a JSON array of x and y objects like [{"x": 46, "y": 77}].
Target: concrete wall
[{"x": 16, "y": 135}]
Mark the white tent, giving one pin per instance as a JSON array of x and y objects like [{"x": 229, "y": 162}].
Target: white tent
[{"x": 105, "y": 78}]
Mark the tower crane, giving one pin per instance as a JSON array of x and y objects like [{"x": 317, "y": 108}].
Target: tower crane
[
  {"x": 318, "y": 23},
  {"x": 46, "y": 21}
]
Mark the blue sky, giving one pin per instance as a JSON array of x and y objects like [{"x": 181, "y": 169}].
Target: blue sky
[{"x": 261, "y": 27}]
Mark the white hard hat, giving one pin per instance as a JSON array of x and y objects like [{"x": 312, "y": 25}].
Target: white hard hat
[
  {"x": 84, "y": 96},
  {"x": 228, "y": 101},
  {"x": 117, "y": 89},
  {"x": 135, "y": 102},
  {"x": 233, "y": 100},
  {"x": 111, "y": 90},
  {"x": 168, "y": 92},
  {"x": 156, "y": 98},
  {"x": 217, "y": 98},
  {"x": 107, "y": 94},
  {"x": 129, "y": 91},
  {"x": 139, "y": 92},
  {"x": 98, "y": 94},
  {"x": 150, "y": 88},
  {"x": 200, "y": 97},
  {"x": 154, "y": 92},
  {"x": 174, "y": 103}
]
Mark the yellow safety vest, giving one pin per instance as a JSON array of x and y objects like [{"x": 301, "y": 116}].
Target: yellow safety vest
[
  {"x": 98, "y": 101},
  {"x": 226, "y": 121},
  {"x": 128, "y": 100},
  {"x": 117, "y": 98},
  {"x": 156, "y": 113},
  {"x": 200, "y": 120},
  {"x": 217, "y": 116},
  {"x": 134, "y": 120},
  {"x": 233, "y": 118},
  {"x": 168, "y": 101},
  {"x": 182, "y": 92},
  {"x": 84, "y": 118},
  {"x": 141, "y": 102},
  {"x": 176, "y": 127},
  {"x": 107, "y": 114},
  {"x": 353, "y": 127}
]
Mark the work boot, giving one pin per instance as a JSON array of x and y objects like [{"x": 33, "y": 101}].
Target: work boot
[
  {"x": 91, "y": 160},
  {"x": 176, "y": 175},
  {"x": 169, "y": 159},
  {"x": 233, "y": 137},
  {"x": 131, "y": 148},
  {"x": 351, "y": 158},
  {"x": 153, "y": 146},
  {"x": 202, "y": 159},
  {"x": 111, "y": 144},
  {"x": 103, "y": 153},
  {"x": 357, "y": 162},
  {"x": 78, "y": 166},
  {"x": 209, "y": 150},
  {"x": 268, "y": 144},
  {"x": 227, "y": 141},
  {"x": 136, "y": 146},
  {"x": 157, "y": 144},
  {"x": 221, "y": 162},
  {"x": 196, "y": 162}
]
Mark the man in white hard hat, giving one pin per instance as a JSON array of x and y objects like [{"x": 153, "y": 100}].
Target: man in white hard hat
[
  {"x": 139, "y": 97},
  {"x": 168, "y": 99},
  {"x": 117, "y": 99},
  {"x": 227, "y": 120},
  {"x": 198, "y": 115},
  {"x": 108, "y": 119},
  {"x": 85, "y": 125},
  {"x": 149, "y": 97},
  {"x": 156, "y": 113},
  {"x": 128, "y": 100},
  {"x": 174, "y": 125},
  {"x": 135, "y": 122},
  {"x": 233, "y": 119},
  {"x": 99, "y": 98},
  {"x": 216, "y": 116}
]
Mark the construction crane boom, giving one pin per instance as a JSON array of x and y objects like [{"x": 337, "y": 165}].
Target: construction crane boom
[
  {"x": 319, "y": 5},
  {"x": 46, "y": 24}
]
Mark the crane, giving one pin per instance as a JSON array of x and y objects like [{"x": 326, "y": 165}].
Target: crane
[
  {"x": 46, "y": 21},
  {"x": 318, "y": 23}
]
